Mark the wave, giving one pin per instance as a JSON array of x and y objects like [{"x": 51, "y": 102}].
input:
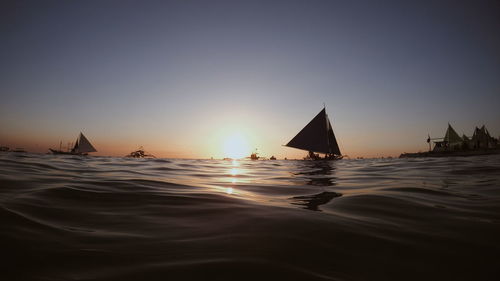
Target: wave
[{"x": 105, "y": 218}]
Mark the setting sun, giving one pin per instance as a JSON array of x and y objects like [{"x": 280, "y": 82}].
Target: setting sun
[{"x": 235, "y": 146}]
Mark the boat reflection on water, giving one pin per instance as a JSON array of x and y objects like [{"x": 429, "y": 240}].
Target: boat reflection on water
[
  {"x": 251, "y": 181},
  {"x": 311, "y": 202},
  {"x": 248, "y": 180},
  {"x": 316, "y": 173}
]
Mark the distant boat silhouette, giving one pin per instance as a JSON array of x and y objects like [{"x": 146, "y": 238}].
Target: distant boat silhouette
[
  {"x": 82, "y": 147},
  {"x": 254, "y": 155},
  {"x": 317, "y": 137},
  {"x": 140, "y": 153}
]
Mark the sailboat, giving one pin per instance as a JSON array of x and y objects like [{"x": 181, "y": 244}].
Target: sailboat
[
  {"x": 317, "y": 137},
  {"x": 82, "y": 147}
]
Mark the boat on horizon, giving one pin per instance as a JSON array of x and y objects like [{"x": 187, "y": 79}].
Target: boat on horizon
[
  {"x": 82, "y": 147},
  {"x": 317, "y": 137},
  {"x": 254, "y": 155},
  {"x": 140, "y": 153}
]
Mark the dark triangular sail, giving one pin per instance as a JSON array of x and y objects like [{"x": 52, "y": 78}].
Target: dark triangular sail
[
  {"x": 451, "y": 135},
  {"x": 317, "y": 136},
  {"x": 75, "y": 147},
  {"x": 83, "y": 145},
  {"x": 332, "y": 141}
]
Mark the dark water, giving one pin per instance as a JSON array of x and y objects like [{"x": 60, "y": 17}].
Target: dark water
[{"x": 99, "y": 218}]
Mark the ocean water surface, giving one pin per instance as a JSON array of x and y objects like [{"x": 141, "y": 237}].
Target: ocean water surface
[{"x": 104, "y": 218}]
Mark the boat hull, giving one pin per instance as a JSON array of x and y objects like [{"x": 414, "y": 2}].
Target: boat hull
[
  {"x": 326, "y": 158},
  {"x": 66, "y": 152}
]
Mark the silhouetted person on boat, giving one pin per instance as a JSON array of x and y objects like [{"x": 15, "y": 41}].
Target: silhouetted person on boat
[{"x": 313, "y": 155}]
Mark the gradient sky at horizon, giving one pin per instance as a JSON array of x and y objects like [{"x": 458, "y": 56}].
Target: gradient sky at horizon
[{"x": 178, "y": 77}]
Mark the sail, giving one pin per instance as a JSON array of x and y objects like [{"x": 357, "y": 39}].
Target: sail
[
  {"x": 332, "y": 141},
  {"x": 75, "y": 147},
  {"x": 451, "y": 135},
  {"x": 83, "y": 145},
  {"x": 316, "y": 136},
  {"x": 485, "y": 131}
]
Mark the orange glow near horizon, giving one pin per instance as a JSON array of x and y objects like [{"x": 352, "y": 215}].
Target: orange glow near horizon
[
  {"x": 237, "y": 145},
  {"x": 236, "y": 138}
]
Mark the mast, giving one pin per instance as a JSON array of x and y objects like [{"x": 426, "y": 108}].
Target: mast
[{"x": 429, "y": 140}]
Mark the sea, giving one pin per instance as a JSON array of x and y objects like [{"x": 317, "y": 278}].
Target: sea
[{"x": 108, "y": 218}]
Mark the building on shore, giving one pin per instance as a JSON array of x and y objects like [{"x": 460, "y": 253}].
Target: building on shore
[
  {"x": 452, "y": 144},
  {"x": 481, "y": 139}
]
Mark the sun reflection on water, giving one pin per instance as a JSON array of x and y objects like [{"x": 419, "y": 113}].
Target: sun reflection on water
[
  {"x": 234, "y": 172},
  {"x": 234, "y": 179}
]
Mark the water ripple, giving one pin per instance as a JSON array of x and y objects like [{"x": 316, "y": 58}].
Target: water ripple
[{"x": 105, "y": 218}]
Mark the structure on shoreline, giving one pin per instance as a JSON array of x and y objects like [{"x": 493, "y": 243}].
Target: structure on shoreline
[
  {"x": 452, "y": 144},
  {"x": 481, "y": 139}
]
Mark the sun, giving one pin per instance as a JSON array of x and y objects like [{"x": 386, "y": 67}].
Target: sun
[{"x": 235, "y": 146}]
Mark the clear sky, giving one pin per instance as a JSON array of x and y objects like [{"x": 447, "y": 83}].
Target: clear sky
[{"x": 182, "y": 78}]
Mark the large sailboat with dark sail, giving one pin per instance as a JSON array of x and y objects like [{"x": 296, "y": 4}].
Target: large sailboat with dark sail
[
  {"x": 82, "y": 146},
  {"x": 317, "y": 137}
]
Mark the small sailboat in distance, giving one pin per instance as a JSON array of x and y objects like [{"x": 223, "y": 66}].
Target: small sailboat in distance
[
  {"x": 317, "y": 137},
  {"x": 82, "y": 147}
]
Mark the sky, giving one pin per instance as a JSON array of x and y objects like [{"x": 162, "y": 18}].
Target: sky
[{"x": 184, "y": 78}]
